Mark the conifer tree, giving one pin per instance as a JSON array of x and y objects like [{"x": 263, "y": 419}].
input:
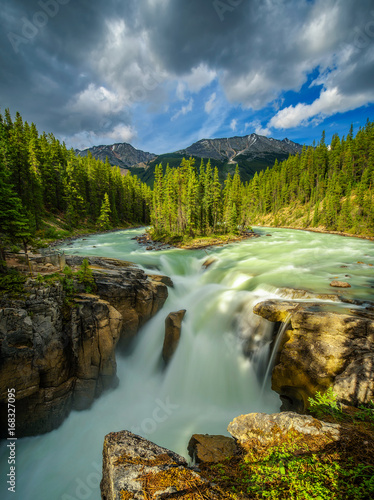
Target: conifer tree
[{"x": 105, "y": 211}]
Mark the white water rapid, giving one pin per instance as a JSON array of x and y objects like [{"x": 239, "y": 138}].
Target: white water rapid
[{"x": 209, "y": 381}]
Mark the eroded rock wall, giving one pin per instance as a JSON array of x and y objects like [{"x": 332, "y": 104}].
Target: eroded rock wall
[{"x": 59, "y": 355}]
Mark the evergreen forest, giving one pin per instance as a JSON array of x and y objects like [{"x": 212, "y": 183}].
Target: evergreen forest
[{"x": 329, "y": 187}]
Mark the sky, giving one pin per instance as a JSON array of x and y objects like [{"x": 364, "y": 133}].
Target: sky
[{"x": 162, "y": 74}]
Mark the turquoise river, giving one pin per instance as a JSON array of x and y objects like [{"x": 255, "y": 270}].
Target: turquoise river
[{"x": 208, "y": 381}]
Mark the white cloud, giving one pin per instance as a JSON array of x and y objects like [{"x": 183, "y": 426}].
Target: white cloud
[
  {"x": 234, "y": 124},
  {"x": 86, "y": 139},
  {"x": 184, "y": 110},
  {"x": 329, "y": 102},
  {"x": 210, "y": 103},
  {"x": 199, "y": 77},
  {"x": 256, "y": 126},
  {"x": 100, "y": 98}
]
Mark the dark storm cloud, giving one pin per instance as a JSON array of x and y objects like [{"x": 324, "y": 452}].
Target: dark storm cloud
[{"x": 88, "y": 62}]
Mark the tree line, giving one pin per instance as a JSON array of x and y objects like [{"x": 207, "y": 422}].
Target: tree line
[
  {"x": 191, "y": 201},
  {"x": 331, "y": 185},
  {"x": 39, "y": 175}
]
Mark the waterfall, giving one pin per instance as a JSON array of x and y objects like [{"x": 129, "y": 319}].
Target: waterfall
[{"x": 278, "y": 340}]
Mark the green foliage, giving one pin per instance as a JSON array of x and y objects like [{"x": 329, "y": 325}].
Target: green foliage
[
  {"x": 104, "y": 219},
  {"x": 85, "y": 277},
  {"x": 325, "y": 404},
  {"x": 67, "y": 281},
  {"x": 295, "y": 470},
  {"x": 12, "y": 283},
  {"x": 191, "y": 203},
  {"x": 366, "y": 413},
  {"x": 338, "y": 182}
]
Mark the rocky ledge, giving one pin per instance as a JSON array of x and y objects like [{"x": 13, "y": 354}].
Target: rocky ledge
[
  {"x": 59, "y": 355},
  {"x": 134, "y": 468},
  {"x": 322, "y": 346}
]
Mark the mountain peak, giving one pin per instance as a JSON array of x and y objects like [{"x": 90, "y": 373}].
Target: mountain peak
[
  {"x": 122, "y": 154},
  {"x": 248, "y": 146}
]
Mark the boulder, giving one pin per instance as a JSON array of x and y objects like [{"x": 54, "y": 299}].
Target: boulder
[
  {"x": 257, "y": 430},
  {"x": 136, "y": 468},
  {"x": 56, "y": 359},
  {"x": 173, "y": 328},
  {"x": 322, "y": 348},
  {"x": 340, "y": 284},
  {"x": 208, "y": 448}
]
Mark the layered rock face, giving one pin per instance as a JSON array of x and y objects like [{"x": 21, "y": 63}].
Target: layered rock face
[
  {"x": 322, "y": 348},
  {"x": 60, "y": 356}
]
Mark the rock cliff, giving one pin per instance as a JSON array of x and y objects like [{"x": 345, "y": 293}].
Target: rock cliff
[
  {"x": 323, "y": 346},
  {"x": 59, "y": 355}
]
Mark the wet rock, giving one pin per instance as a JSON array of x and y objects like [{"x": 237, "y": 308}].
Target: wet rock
[
  {"x": 319, "y": 349},
  {"x": 261, "y": 429},
  {"x": 209, "y": 262},
  {"x": 208, "y": 448},
  {"x": 136, "y": 468},
  {"x": 340, "y": 284},
  {"x": 162, "y": 279},
  {"x": 295, "y": 293},
  {"x": 173, "y": 328}
]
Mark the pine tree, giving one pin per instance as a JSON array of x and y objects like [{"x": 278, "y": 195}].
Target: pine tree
[{"x": 105, "y": 211}]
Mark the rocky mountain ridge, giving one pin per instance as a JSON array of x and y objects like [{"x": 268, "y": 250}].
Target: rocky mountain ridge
[
  {"x": 123, "y": 155},
  {"x": 233, "y": 148},
  {"x": 252, "y": 153}
]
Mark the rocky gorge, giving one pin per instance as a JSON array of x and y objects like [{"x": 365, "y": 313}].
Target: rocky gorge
[
  {"x": 60, "y": 355},
  {"x": 194, "y": 367}
]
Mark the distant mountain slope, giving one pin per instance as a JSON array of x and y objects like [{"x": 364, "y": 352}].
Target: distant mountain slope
[
  {"x": 121, "y": 154},
  {"x": 252, "y": 153},
  {"x": 249, "y": 147}
]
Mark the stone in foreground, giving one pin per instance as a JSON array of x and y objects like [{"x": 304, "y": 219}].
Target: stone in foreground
[
  {"x": 135, "y": 468},
  {"x": 208, "y": 448},
  {"x": 260, "y": 429}
]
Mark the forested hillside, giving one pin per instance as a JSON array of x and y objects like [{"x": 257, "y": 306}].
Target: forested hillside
[
  {"x": 40, "y": 177},
  {"x": 328, "y": 186}
]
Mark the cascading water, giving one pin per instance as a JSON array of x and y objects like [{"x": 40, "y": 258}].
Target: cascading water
[
  {"x": 274, "y": 352},
  {"x": 209, "y": 380}
]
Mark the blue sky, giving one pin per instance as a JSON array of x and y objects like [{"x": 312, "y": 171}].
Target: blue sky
[{"x": 162, "y": 74}]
